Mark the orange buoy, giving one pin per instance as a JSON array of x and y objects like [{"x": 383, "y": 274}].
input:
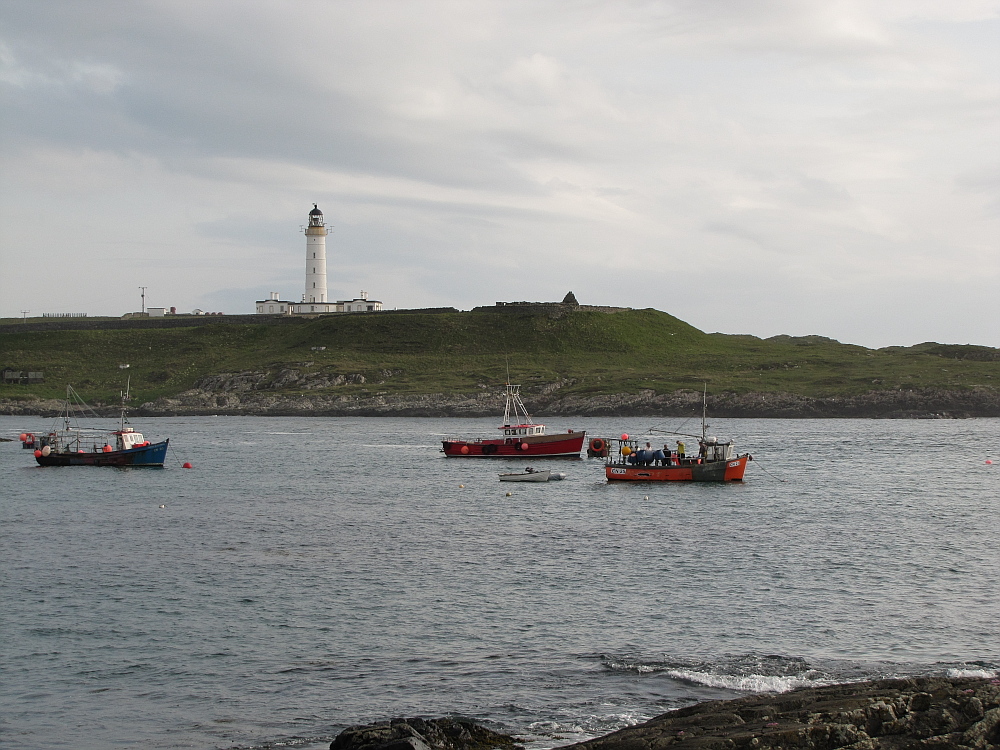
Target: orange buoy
[
  {"x": 524, "y": 446},
  {"x": 465, "y": 450},
  {"x": 24, "y": 437},
  {"x": 187, "y": 465},
  {"x": 107, "y": 449},
  {"x": 988, "y": 461},
  {"x": 38, "y": 453}
]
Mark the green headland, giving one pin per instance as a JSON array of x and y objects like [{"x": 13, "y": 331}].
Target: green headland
[{"x": 569, "y": 360}]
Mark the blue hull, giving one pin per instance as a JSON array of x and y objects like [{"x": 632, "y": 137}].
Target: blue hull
[{"x": 147, "y": 455}]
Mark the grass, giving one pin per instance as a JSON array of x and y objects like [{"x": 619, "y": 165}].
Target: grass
[{"x": 587, "y": 352}]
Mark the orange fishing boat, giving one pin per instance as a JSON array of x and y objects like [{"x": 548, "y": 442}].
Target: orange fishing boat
[{"x": 717, "y": 460}]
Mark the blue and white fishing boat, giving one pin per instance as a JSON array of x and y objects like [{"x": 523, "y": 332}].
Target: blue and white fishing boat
[{"x": 73, "y": 445}]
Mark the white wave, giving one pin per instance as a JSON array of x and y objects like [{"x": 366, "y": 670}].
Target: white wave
[
  {"x": 751, "y": 683},
  {"x": 972, "y": 673},
  {"x": 542, "y": 734},
  {"x": 621, "y": 666}
]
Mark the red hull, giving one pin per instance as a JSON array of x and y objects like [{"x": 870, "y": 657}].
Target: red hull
[
  {"x": 566, "y": 444},
  {"x": 715, "y": 471}
]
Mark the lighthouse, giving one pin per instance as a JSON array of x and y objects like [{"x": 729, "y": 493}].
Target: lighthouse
[
  {"x": 314, "y": 300},
  {"x": 315, "y": 257}
]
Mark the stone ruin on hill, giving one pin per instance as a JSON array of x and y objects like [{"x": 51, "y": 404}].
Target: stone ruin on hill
[{"x": 555, "y": 309}]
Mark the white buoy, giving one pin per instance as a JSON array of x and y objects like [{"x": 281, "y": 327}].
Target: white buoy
[
  {"x": 163, "y": 506},
  {"x": 461, "y": 486},
  {"x": 508, "y": 494},
  {"x": 646, "y": 498}
]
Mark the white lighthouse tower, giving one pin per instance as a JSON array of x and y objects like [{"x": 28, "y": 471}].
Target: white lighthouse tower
[{"x": 315, "y": 258}]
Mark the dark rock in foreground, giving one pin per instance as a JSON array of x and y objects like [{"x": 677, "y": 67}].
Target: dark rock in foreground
[
  {"x": 422, "y": 734},
  {"x": 927, "y": 713},
  {"x": 918, "y": 713}
]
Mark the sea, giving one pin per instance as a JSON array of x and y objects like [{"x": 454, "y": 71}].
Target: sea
[{"x": 308, "y": 574}]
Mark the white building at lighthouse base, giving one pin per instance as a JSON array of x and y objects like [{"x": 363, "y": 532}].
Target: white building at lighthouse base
[{"x": 274, "y": 305}]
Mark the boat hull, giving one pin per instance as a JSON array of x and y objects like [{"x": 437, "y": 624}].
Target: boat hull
[
  {"x": 147, "y": 455},
  {"x": 716, "y": 471},
  {"x": 536, "y": 476},
  {"x": 566, "y": 444}
]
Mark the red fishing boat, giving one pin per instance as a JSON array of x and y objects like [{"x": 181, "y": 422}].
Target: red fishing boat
[
  {"x": 521, "y": 437},
  {"x": 717, "y": 460}
]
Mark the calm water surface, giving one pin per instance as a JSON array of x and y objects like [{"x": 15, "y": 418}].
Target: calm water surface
[{"x": 309, "y": 574}]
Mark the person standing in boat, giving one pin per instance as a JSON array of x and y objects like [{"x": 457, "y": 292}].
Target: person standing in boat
[
  {"x": 666, "y": 454},
  {"x": 680, "y": 450}
]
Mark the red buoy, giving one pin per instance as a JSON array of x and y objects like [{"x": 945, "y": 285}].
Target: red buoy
[
  {"x": 107, "y": 449},
  {"x": 465, "y": 449},
  {"x": 38, "y": 453},
  {"x": 187, "y": 465},
  {"x": 624, "y": 436},
  {"x": 24, "y": 437},
  {"x": 524, "y": 446}
]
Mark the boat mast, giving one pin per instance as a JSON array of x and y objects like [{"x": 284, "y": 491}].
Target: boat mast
[
  {"x": 514, "y": 403},
  {"x": 506, "y": 406},
  {"x": 69, "y": 390},
  {"x": 704, "y": 410},
  {"x": 125, "y": 397}
]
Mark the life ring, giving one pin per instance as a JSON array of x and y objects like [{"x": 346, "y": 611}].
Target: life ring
[{"x": 596, "y": 445}]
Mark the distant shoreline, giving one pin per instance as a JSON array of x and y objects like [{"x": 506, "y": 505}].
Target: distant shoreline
[{"x": 885, "y": 404}]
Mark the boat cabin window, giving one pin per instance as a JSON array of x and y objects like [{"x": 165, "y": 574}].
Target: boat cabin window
[{"x": 532, "y": 430}]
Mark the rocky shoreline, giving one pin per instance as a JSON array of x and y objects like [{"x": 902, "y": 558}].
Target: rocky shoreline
[
  {"x": 926, "y": 713},
  {"x": 235, "y": 396}
]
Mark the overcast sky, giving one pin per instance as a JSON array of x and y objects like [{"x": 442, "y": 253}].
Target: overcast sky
[{"x": 750, "y": 166}]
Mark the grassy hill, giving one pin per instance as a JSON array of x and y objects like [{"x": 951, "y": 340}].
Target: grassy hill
[{"x": 587, "y": 352}]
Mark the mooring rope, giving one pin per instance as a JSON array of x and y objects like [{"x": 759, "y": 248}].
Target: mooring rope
[{"x": 774, "y": 476}]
